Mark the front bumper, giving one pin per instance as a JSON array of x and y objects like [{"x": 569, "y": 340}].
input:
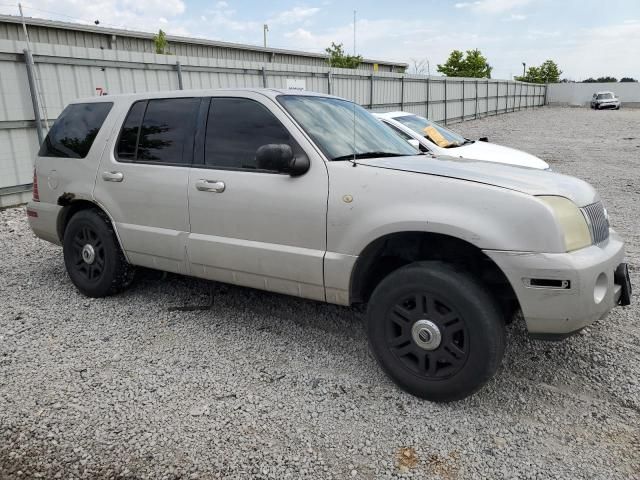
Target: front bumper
[
  {"x": 603, "y": 105},
  {"x": 571, "y": 290}
]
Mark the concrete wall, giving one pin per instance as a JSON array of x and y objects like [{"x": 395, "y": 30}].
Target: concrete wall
[
  {"x": 66, "y": 73},
  {"x": 581, "y": 93}
]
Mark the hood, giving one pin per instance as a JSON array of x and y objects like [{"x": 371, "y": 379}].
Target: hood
[
  {"x": 526, "y": 180},
  {"x": 490, "y": 152}
]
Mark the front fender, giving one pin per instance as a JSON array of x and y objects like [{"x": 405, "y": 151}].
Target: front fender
[{"x": 386, "y": 201}]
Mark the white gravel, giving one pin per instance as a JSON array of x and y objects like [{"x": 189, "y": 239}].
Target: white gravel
[{"x": 266, "y": 386}]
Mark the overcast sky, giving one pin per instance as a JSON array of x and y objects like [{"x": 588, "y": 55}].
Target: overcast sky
[{"x": 585, "y": 37}]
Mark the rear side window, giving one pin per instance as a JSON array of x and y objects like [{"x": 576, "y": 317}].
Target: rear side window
[
  {"x": 73, "y": 133},
  {"x": 159, "y": 131},
  {"x": 236, "y": 128},
  {"x": 129, "y": 134}
]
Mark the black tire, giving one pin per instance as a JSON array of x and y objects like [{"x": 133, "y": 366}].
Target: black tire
[
  {"x": 107, "y": 271},
  {"x": 472, "y": 331}
]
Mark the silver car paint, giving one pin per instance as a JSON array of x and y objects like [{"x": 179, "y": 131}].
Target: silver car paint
[{"x": 303, "y": 235}]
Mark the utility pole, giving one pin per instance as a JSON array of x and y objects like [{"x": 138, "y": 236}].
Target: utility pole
[
  {"x": 354, "y": 33},
  {"x": 524, "y": 69},
  {"x": 265, "y": 29}
]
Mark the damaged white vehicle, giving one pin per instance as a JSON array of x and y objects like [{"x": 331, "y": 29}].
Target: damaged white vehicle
[{"x": 428, "y": 136}]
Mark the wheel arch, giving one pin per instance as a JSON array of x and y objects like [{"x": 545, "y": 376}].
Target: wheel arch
[
  {"x": 394, "y": 250},
  {"x": 72, "y": 206}
]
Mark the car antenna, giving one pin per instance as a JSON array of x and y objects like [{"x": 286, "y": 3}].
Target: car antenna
[{"x": 353, "y": 161}]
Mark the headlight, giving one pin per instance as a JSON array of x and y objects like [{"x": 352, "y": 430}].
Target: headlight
[{"x": 574, "y": 226}]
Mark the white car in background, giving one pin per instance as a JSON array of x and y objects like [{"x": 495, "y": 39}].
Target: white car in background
[
  {"x": 428, "y": 136},
  {"x": 602, "y": 100}
]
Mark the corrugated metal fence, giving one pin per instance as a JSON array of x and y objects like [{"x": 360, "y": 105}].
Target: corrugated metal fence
[{"x": 65, "y": 73}]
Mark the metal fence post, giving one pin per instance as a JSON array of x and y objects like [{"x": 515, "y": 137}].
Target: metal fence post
[
  {"x": 463, "y": 99},
  {"x": 476, "y": 109},
  {"x": 402, "y": 92},
  {"x": 445, "y": 100},
  {"x": 371, "y": 91},
  {"x": 428, "y": 93},
  {"x": 487, "y": 98},
  {"x": 497, "y": 97},
  {"x": 506, "y": 98},
  {"x": 520, "y": 97},
  {"x": 34, "y": 94},
  {"x": 513, "y": 107},
  {"x": 329, "y": 82},
  {"x": 264, "y": 77},
  {"x": 546, "y": 89},
  {"x": 179, "y": 71}
]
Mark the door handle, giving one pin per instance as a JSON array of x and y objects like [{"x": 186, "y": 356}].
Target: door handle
[
  {"x": 215, "y": 186},
  {"x": 112, "y": 176}
]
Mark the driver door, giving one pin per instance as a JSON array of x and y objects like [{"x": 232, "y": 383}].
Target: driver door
[{"x": 253, "y": 227}]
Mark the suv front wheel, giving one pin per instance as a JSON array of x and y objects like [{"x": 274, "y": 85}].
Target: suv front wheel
[
  {"x": 92, "y": 255},
  {"x": 435, "y": 330}
]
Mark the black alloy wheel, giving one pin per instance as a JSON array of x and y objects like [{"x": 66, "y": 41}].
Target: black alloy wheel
[
  {"x": 435, "y": 330},
  {"x": 89, "y": 254},
  {"x": 428, "y": 335},
  {"x": 92, "y": 255}
]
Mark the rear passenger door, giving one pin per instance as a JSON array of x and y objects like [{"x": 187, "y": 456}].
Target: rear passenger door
[
  {"x": 253, "y": 227},
  {"x": 142, "y": 181}
]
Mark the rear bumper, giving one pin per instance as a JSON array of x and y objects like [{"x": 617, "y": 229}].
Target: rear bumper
[
  {"x": 43, "y": 220},
  {"x": 586, "y": 286}
]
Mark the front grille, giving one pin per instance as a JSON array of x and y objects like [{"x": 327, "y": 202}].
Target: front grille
[{"x": 598, "y": 222}]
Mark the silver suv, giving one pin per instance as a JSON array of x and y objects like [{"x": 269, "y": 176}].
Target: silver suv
[{"x": 278, "y": 191}]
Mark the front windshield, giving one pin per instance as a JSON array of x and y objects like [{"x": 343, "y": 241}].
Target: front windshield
[
  {"x": 605, "y": 96},
  {"x": 434, "y": 132},
  {"x": 330, "y": 123}
]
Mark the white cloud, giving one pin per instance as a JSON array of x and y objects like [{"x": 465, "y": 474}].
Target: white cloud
[
  {"x": 464, "y": 4},
  {"x": 516, "y": 17},
  {"x": 144, "y": 15},
  {"x": 221, "y": 5},
  {"x": 294, "y": 15},
  {"x": 492, "y": 6}
]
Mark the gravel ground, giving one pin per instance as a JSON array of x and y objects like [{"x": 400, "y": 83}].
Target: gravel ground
[{"x": 265, "y": 386}]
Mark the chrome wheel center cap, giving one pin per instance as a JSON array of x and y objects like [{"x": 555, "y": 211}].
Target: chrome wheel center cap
[
  {"x": 426, "y": 334},
  {"x": 88, "y": 254}
]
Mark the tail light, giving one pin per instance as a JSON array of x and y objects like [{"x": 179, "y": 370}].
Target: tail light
[{"x": 36, "y": 194}]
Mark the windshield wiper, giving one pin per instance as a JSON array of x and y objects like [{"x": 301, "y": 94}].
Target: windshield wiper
[{"x": 362, "y": 155}]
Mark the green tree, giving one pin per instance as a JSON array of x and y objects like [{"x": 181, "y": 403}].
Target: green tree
[
  {"x": 548, "y": 72},
  {"x": 161, "y": 43},
  {"x": 337, "y": 57},
  {"x": 607, "y": 79},
  {"x": 590, "y": 80},
  {"x": 472, "y": 65},
  {"x": 628, "y": 79}
]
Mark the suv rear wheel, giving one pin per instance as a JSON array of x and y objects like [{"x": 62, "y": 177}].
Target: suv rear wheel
[
  {"x": 92, "y": 255},
  {"x": 435, "y": 331}
]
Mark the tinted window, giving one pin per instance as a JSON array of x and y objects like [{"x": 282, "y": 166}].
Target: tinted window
[
  {"x": 236, "y": 128},
  {"x": 165, "y": 134},
  {"x": 129, "y": 134},
  {"x": 73, "y": 133}
]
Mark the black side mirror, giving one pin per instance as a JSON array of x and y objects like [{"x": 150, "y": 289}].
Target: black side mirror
[
  {"x": 483, "y": 139},
  {"x": 280, "y": 158}
]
